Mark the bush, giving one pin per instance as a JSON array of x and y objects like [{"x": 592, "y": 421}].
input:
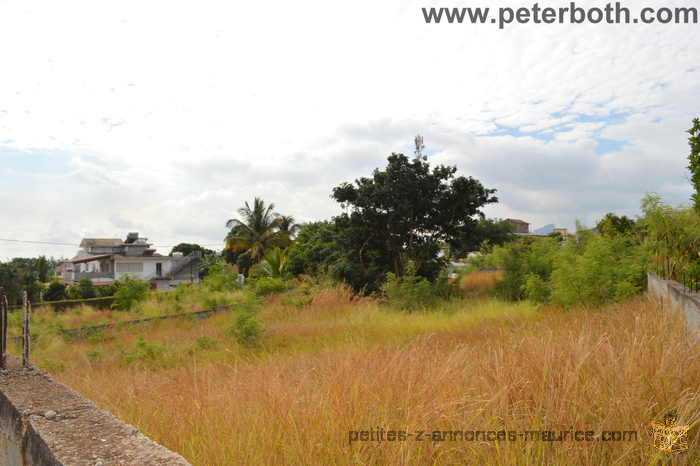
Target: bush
[
  {"x": 522, "y": 258},
  {"x": 535, "y": 289},
  {"x": 409, "y": 292},
  {"x": 148, "y": 352},
  {"x": 87, "y": 289},
  {"x": 266, "y": 286},
  {"x": 222, "y": 277},
  {"x": 131, "y": 290},
  {"x": 56, "y": 291},
  {"x": 246, "y": 327},
  {"x": 607, "y": 268}
]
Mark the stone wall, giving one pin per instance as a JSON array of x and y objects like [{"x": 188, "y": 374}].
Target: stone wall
[
  {"x": 680, "y": 299},
  {"x": 44, "y": 423}
]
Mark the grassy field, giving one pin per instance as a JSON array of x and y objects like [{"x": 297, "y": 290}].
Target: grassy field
[{"x": 328, "y": 367}]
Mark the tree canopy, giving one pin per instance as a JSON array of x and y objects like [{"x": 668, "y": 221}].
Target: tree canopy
[
  {"x": 612, "y": 225},
  {"x": 187, "y": 248},
  {"x": 402, "y": 214},
  {"x": 487, "y": 232}
]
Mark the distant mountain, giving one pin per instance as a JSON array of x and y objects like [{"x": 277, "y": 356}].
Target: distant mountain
[{"x": 545, "y": 230}]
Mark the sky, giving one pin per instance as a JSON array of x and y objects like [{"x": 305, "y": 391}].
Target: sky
[{"x": 166, "y": 117}]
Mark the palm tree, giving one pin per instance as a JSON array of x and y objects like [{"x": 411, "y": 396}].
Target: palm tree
[
  {"x": 288, "y": 225},
  {"x": 273, "y": 265},
  {"x": 259, "y": 230}
]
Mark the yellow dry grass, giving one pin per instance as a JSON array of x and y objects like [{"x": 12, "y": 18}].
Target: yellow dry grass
[{"x": 340, "y": 364}]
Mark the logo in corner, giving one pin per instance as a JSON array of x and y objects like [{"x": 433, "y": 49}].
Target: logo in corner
[{"x": 670, "y": 437}]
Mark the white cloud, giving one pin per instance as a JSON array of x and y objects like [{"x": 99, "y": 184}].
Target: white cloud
[{"x": 166, "y": 117}]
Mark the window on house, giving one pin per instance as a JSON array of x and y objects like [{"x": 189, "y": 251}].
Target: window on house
[
  {"x": 159, "y": 269},
  {"x": 129, "y": 267}
]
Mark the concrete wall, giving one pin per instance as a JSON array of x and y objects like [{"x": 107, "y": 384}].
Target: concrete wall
[
  {"x": 44, "y": 423},
  {"x": 680, "y": 299}
]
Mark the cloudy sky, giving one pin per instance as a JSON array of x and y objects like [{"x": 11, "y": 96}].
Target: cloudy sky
[{"x": 165, "y": 117}]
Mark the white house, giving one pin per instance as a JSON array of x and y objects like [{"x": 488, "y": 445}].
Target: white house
[{"x": 104, "y": 259}]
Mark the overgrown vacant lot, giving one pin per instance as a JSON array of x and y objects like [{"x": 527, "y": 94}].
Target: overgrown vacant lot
[{"x": 341, "y": 364}]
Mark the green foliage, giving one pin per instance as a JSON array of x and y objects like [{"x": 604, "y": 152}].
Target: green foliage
[
  {"x": 223, "y": 277},
  {"x": 245, "y": 327},
  {"x": 203, "y": 343},
  {"x": 557, "y": 236},
  {"x": 73, "y": 292},
  {"x": 244, "y": 263},
  {"x": 496, "y": 232},
  {"x": 536, "y": 289},
  {"x": 409, "y": 292},
  {"x": 56, "y": 291},
  {"x": 273, "y": 265},
  {"x": 208, "y": 262},
  {"x": 522, "y": 258},
  {"x": 187, "y": 248},
  {"x": 42, "y": 269},
  {"x": 259, "y": 230},
  {"x": 10, "y": 283},
  {"x": 670, "y": 236},
  {"x": 608, "y": 268},
  {"x": 144, "y": 351},
  {"x": 288, "y": 225},
  {"x": 109, "y": 290},
  {"x": 94, "y": 356},
  {"x": 314, "y": 250},
  {"x": 266, "y": 286},
  {"x": 402, "y": 215},
  {"x": 694, "y": 162},
  {"x": 131, "y": 290},
  {"x": 612, "y": 225},
  {"x": 590, "y": 272},
  {"x": 86, "y": 289}
]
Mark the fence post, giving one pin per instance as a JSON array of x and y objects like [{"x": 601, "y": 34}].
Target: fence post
[
  {"x": 3, "y": 329},
  {"x": 26, "y": 310}
]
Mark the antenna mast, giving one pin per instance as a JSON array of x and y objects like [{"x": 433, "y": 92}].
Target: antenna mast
[{"x": 419, "y": 147}]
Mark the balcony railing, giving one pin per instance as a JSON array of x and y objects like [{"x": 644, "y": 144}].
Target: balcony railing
[{"x": 92, "y": 275}]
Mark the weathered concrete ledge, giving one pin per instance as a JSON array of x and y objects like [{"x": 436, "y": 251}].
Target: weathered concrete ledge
[
  {"x": 44, "y": 423},
  {"x": 675, "y": 295}
]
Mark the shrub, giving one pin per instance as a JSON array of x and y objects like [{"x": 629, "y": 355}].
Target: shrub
[
  {"x": 148, "y": 352},
  {"x": 131, "y": 290},
  {"x": 246, "y": 327},
  {"x": 607, "y": 268},
  {"x": 522, "y": 258},
  {"x": 409, "y": 292},
  {"x": 222, "y": 277},
  {"x": 87, "y": 289},
  {"x": 56, "y": 291},
  {"x": 266, "y": 286},
  {"x": 535, "y": 289}
]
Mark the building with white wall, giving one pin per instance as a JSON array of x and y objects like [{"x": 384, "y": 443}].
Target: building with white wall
[{"x": 104, "y": 260}]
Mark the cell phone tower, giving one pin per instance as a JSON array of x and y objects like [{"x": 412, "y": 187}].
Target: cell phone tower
[{"x": 419, "y": 147}]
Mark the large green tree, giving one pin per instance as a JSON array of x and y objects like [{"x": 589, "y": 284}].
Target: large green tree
[
  {"x": 487, "y": 232},
  {"x": 258, "y": 230},
  {"x": 187, "y": 248},
  {"x": 612, "y": 225},
  {"x": 402, "y": 214},
  {"x": 314, "y": 249}
]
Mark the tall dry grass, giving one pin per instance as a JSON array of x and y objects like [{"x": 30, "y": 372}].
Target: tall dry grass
[
  {"x": 478, "y": 283},
  {"x": 354, "y": 369}
]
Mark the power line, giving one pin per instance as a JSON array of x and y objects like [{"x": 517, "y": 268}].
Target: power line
[{"x": 38, "y": 242}]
